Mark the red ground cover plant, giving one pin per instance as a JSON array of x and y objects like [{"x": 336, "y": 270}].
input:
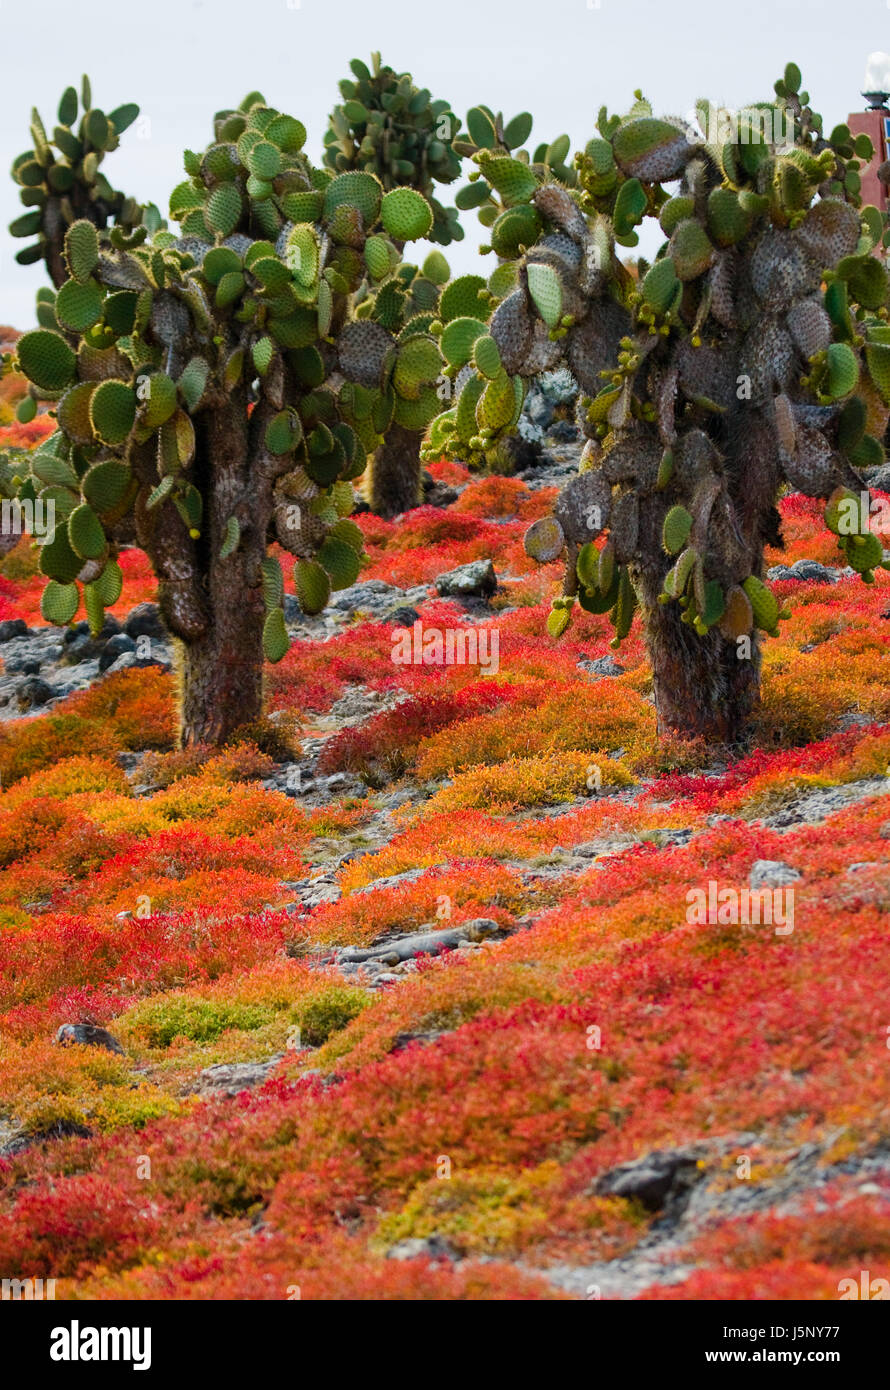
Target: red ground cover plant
[{"x": 480, "y": 1096}]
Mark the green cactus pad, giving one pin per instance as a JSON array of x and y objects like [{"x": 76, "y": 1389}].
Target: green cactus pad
[
  {"x": 303, "y": 207},
  {"x": 73, "y": 412},
  {"x": 312, "y": 585},
  {"x": 109, "y": 586},
  {"x": 276, "y": 642},
  {"x": 81, "y": 250},
  {"x": 660, "y": 285},
  {"x": 220, "y": 261},
  {"x": 495, "y": 407},
  {"x": 630, "y": 207},
  {"x": 113, "y": 411},
  {"x": 727, "y": 220},
  {"x": 459, "y": 338},
  {"x": 85, "y": 533},
  {"x": 79, "y": 306},
  {"x": 59, "y": 602},
  {"x": 193, "y": 382},
  {"x": 863, "y": 552},
  {"x": 377, "y": 257},
  {"x": 105, "y": 484},
  {"x": 264, "y": 160},
  {"x": 587, "y": 565},
  {"x": 223, "y": 211},
  {"x": 417, "y": 414},
  {"x": 302, "y": 255},
  {"x": 46, "y": 359},
  {"x": 843, "y": 370},
  {"x": 418, "y": 361},
  {"x": 763, "y": 603},
  {"x": 58, "y": 560},
  {"x": 340, "y": 560},
  {"x": 515, "y": 228},
  {"x": 690, "y": 249},
  {"x": 436, "y": 268},
  {"x": 273, "y": 583},
  {"x": 677, "y": 525},
  {"x": 545, "y": 288},
  {"x": 651, "y": 149},
  {"x": 676, "y": 210},
  {"x": 158, "y": 399},
  {"x": 406, "y": 214},
  {"x": 283, "y": 432},
  {"x": 515, "y": 181},
  {"x": 357, "y": 189},
  {"x": 486, "y": 357},
  {"x": 877, "y": 357}
]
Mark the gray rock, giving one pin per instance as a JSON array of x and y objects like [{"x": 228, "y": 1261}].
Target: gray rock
[
  {"x": 87, "y": 1035},
  {"x": 126, "y": 660},
  {"x": 228, "y": 1078},
  {"x": 565, "y": 431},
  {"x": 879, "y": 477},
  {"x": 475, "y": 580},
  {"x": 402, "y": 948},
  {"x": 771, "y": 873},
  {"x": 403, "y": 616},
  {"x": 83, "y": 647},
  {"x": 13, "y": 627},
  {"x": 422, "y": 1248},
  {"x": 422, "y": 1036},
  {"x": 113, "y": 648},
  {"x": 145, "y": 621},
  {"x": 805, "y": 570},
  {"x": 34, "y": 692},
  {"x": 664, "y": 1177},
  {"x": 601, "y": 666}
]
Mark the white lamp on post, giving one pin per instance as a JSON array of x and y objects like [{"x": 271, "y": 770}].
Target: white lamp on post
[{"x": 877, "y": 81}]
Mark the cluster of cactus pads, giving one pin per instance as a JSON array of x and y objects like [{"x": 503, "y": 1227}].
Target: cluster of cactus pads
[
  {"x": 61, "y": 179},
  {"x": 753, "y": 353},
  {"x": 387, "y": 126},
  {"x": 215, "y": 392}
]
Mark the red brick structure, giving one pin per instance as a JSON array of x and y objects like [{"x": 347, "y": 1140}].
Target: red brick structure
[{"x": 873, "y": 123}]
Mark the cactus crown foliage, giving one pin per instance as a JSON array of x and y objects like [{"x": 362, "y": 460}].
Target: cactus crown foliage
[
  {"x": 488, "y": 137},
  {"x": 752, "y": 354},
  {"x": 61, "y": 179},
  {"x": 389, "y": 127},
  {"x": 165, "y": 355}
]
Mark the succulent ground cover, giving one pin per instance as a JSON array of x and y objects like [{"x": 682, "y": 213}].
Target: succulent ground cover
[{"x": 275, "y": 1114}]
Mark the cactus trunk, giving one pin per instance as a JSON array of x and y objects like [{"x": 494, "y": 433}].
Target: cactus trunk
[
  {"x": 222, "y": 669},
  {"x": 221, "y": 673},
  {"x": 394, "y": 483},
  {"x": 703, "y": 687}
]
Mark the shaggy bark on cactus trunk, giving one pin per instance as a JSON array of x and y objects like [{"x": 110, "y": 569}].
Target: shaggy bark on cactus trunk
[
  {"x": 214, "y": 606},
  {"x": 221, "y": 673},
  {"x": 394, "y": 481},
  {"x": 705, "y": 687}
]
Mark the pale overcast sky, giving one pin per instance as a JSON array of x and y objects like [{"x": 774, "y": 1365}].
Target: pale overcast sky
[{"x": 560, "y": 59}]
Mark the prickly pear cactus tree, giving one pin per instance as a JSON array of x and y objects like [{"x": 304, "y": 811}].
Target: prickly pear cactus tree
[
  {"x": 62, "y": 182},
  {"x": 388, "y": 126},
  {"x": 751, "y": 357},
  {"x": 393, "y": 367},
  {"x": 195, "y": 385}
]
